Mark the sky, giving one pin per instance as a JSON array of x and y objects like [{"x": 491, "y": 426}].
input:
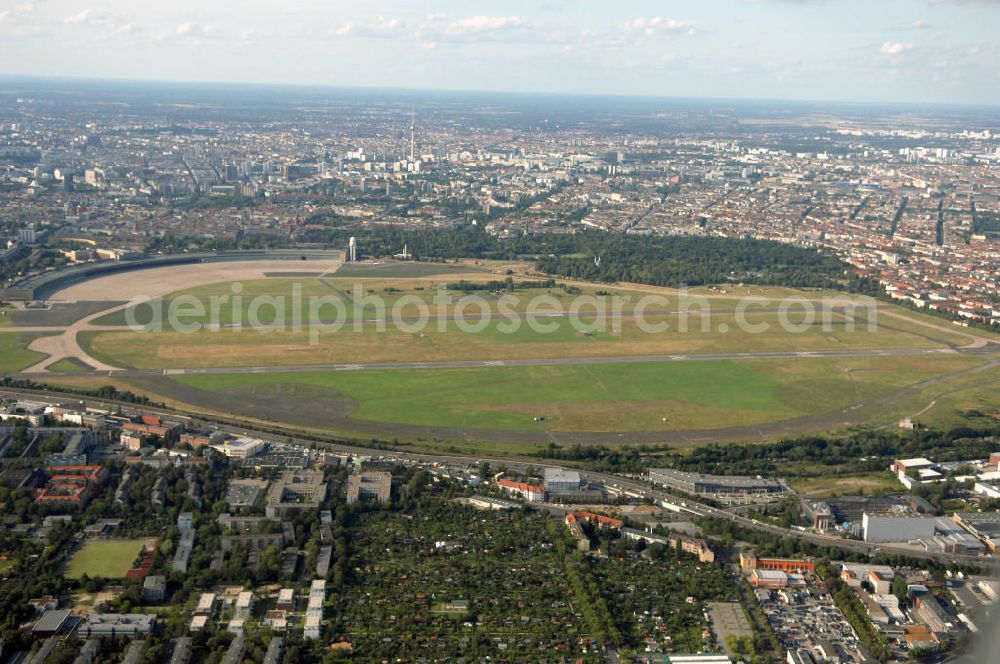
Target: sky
[{"x": 940, "y": 51}]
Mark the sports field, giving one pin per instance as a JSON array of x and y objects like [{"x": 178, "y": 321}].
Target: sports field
[{"x": 109, "y": 559}]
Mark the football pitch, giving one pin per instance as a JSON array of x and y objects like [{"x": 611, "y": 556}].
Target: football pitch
[{"x": 108, "y": 559}]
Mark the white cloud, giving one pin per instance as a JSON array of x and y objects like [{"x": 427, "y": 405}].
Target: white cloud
[
  {"x": 4, "y": 15},
  {"x": 82, "y": 17},
  {"x": 382, "y": 23},
  {"x": 191, "y": 29},
  {"x": 894, "y": 48},
  {"x": 380, "y": 27},
  {"x": 480, "y": 24},
  {"x": 657, "y": 24}
]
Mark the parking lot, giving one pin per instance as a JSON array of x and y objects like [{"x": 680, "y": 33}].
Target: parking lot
[{"x": 806, "y": 618}]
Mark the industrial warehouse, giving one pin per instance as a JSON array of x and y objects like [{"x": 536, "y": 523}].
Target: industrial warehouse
[{"x": 718, "y": 485}]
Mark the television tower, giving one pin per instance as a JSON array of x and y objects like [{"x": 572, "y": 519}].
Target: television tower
[{"x": 413, "y": 126}]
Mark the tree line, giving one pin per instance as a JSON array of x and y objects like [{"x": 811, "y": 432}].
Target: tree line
[{"x": 604, "y": 257}]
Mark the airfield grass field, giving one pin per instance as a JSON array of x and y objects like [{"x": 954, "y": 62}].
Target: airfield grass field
[
  {"x": 14, "y": 353},
  {"x": 109, "y": 559},
  {"x": 607, "y": 397},
  {"x": 68, "y": 365},
  {"x": 828, "y": 486},
  {"x": 503, "y": 338},
  {"x": 595, "y": 398},
  {"x": 968, "y": 400}
]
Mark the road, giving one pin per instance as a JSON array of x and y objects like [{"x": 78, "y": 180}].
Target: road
[{"x": 692, "y": 507}]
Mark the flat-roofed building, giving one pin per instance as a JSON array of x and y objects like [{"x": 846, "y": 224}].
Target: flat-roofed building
[
  {"x": 286, "y": 599},
  {"x": 818, "y": 514},
  {"x": 88, "y": 652},
  {"x": 237, "y": 648},
  {"x": 323, "y": 558},
  {"x": 117, "y": 624},
  {"x": 182, "y": 651},
  {"x": 312, "y": 627},
  {"x": 765, "y": 578},
  {"x": 54, "y": 623},
  {"x": 154, "y": 589},
  {"x": 275, "y": 649},
  {"x": 185, "y": 546},
  {"x": 369, "y": 486},
  {"x": 930, "y": 613},
  {"x": 699, "y": 483},
  {"x": 199, "y": 623},
  {"x": 245, "y": 492},
  {"x": 488, "y": 503},
  {"x": 854, "y": 574},
  {"x": 276, "y": 620},
  {"x": 897, "y": 528},
  {"x": 561, "y": 480},
  {"x": 799, "y": 656},
  {"x": 240, "y": 448},
  {"x": 244, "y": 604},
  {"x": 206, "y": 604},
  {"x": 296, "y": 491},
  {"x": 134, "y": 653}
]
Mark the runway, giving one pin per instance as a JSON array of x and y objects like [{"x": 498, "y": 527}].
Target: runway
[{"x": 535, "y": 362}]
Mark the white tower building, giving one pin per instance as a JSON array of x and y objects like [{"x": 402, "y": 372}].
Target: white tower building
[{"x": 413, "y": 143}]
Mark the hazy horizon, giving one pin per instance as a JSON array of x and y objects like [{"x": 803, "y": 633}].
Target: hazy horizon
[
  {"x": 30, "y": 80},
  {"x": 896, "y": 51}
]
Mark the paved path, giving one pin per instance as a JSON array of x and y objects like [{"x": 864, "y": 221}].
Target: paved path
[{"x": 65, "y": 345}]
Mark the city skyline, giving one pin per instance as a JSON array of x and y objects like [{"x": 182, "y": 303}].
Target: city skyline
[{"x": 907, "y": 51}]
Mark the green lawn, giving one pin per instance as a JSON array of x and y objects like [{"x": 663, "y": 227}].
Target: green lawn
[
  {"x": 68, "y": 366},
  {"x": 846, "y": 485},
  {"x": 14, "y": 353},
  {"x": 402, "y": 270},
  {"x": 380, "y": 341},
  {"x": 499, "y": 340},
  {"x": 109, "y": 559},
  {"x": 602, "y": 397}
]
